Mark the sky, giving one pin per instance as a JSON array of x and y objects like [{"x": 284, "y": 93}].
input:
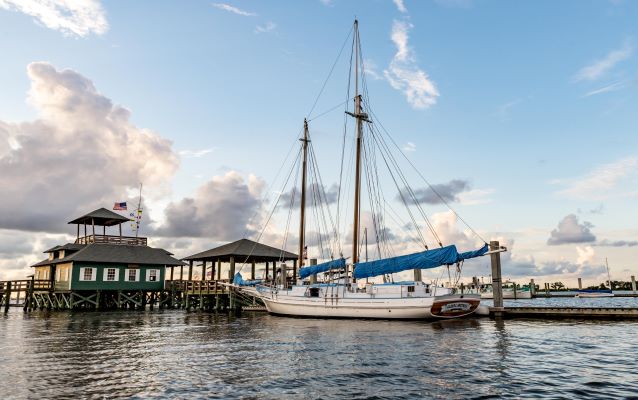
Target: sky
[{"x": 523, "y": 114}]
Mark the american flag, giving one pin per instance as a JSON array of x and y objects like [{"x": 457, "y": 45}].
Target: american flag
[{"x": 119, "y": 206}]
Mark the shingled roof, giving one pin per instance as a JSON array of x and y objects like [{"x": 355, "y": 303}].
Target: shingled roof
[
  {"x": 101, "y": 217},
  {"x": 68, "y": 246},
  {"x": 117, "y": 253},
  {"x": 242, "y": 249}
]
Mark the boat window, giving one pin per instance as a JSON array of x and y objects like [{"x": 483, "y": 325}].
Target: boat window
[
  {"x": 314, "y": 292},
  {"x": 410, "y": 289}
]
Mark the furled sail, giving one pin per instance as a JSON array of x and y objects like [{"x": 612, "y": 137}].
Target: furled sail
[
  {"x": 323, "y": 267},
  {"x": 423, "y": 260},
  {"x": 239, "y": 281}
]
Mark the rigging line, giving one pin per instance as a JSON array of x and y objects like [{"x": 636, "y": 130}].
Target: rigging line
[
  {"x": 268, "y": 189},
  {"x": 330, "y": 73},
  {"x": 370, "y": 186},
  {"x": 274, "y": 208},
  {"x": 401, "y": 195},
  {"x": 290, "y": 208},
  {"x": 409, "y": 189},
  {"x": 343, "y": 144},
  {"x": 329, "y": 110},
  {"x": 426, "y": 181},
  {"x": 325, "y": 199}
]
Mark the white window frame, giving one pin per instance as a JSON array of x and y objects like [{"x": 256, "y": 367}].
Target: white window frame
[
  {"x": 93, "y": 274},
  {"x": 126, "y": 275},
  {"x": 106, "y": 274},
  {"x": 148, "y": 275}
]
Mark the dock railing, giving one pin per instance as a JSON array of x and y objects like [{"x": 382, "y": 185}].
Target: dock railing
[
  {"x": 111, "y": 239},
  {"x": 197, "y": 286}
]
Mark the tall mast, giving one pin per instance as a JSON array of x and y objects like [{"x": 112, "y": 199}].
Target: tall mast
[
  {"x": 302, "y": 219},
  {"x": 357, "y": 179}
]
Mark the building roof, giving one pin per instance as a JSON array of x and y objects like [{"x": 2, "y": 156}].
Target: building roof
[
  {"x": 100, "y": 217},
  {"x": 68, "y": 246},
  {"x": 243, "y": 249},
  {"x": 117, "y": 253}
]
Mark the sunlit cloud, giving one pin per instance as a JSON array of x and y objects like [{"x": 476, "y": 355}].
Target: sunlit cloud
[{"x": 234, "y": 10}]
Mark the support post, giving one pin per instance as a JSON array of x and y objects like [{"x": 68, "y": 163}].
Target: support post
[
  {"x": 203, "y": 270},
  {"x": 580, "y": 283},
  {"x": 532, "y": 287},
  {"x": 7, "y": 297},
  {"x": 172, "y": 270},
  {"x": 252, "y": 271},
  {"x": 266, "y": 272},
  {"x": 190, "y": 270},
  {"x": 313, "y": 277},
  {"x": 417, "y": 275},
  {"x": 496, "y": 277},
  {"x": 181, "y": 272},
  {"x": 219, "y": 270},
  {"x": 633, "y": 284},
  {"x": 294, "y": 271},
  {"x": 231, "y": 272},
  {"x": 212, "y": 270}
]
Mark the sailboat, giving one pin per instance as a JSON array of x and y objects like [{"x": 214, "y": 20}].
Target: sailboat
[
  {"x": 594, "y": 293},
  {"x": 345, "y": 291}
]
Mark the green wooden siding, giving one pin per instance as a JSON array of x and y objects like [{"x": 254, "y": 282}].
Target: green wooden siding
[{"x": 120, "y": 284}]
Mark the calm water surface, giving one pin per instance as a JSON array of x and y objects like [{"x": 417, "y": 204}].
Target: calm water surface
[{"x": 174, "y": 354}]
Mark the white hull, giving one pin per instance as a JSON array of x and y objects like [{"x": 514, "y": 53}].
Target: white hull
[
  {"x": 594, "y": 295},
  {"x": 344, "y": 304},
  {"x": 526, "y": 294}
]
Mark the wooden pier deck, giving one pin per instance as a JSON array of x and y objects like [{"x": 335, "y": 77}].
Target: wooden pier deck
[
  {"x": 565, "y": 312},
  {"x": 217, "y": 295}
]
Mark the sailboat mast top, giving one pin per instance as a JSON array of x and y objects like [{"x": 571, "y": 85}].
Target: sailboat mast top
[{"x": 302, "y": 219}]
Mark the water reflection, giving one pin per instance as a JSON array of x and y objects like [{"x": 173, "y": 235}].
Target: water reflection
[{"x": 200, "y": 355}]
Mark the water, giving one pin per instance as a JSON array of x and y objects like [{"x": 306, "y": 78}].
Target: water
[{"x": 174, "y": 354}]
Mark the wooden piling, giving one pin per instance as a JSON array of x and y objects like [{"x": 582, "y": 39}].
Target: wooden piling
[
  {"x": 252, "y": 271},
  {"x": 231, "y": 271},
  {"x": 532, "y": 287},
  {"x": 7, "y": 297},
  {"x": 580, "y": 283},
  {"x": 633, "y": 284},
  {"x": 497, "y": 286}
]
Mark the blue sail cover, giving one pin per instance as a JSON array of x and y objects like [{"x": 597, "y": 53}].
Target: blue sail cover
[
  {"x": 323, "y": 267},
  {"x": 423, "y": 260},
  {"x": 239, "y": 281},
  {"x": 474, "y": 253}
]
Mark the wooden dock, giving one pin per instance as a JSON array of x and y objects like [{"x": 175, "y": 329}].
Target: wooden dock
[
  {"x": 31, "y": 294},
  {"x": 564, "y": 312}
]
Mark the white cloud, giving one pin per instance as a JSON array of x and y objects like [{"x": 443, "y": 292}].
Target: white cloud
[
  {"x": 327, "y": 3},
  {"x": 371, "y": 70},
  {"x": 599, "y": 68},
  {"x": 195, "y": 153},
  {"x": 234, "y": 10},
  {"x": 605, "y": 89},
  {"x": 267, "y": 27},
  {"x": 82, "y": 153},
  {"x": 409, "y": 147},
  {"x": 570, "y": 230},
  {"x": 71, "y": 17},
  {"x": 475, "y": 196},
  {"x": 221, "y": 209},
  {"x": 403, "y": 73},
  {"x": 400, "y": 6},
  {"x": 598, "y": 183}
]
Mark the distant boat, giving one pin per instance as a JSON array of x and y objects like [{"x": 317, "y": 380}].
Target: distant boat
[
  {"x": 587, "y": 293},
  {"x": 592, "y": 293},
  {"x": 510, "y": 291}
]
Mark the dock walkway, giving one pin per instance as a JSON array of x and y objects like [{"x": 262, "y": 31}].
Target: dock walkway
[{"x": 565, "y": 312}]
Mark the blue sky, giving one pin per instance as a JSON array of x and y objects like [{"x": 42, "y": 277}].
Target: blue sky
[{"x": 534, "y": 107}]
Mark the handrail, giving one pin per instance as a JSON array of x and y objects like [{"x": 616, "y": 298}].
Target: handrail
[{"x": 111, "y": 239}]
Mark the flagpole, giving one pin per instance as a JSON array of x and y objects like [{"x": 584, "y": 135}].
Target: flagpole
[{"x": 137, "y": 217}]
